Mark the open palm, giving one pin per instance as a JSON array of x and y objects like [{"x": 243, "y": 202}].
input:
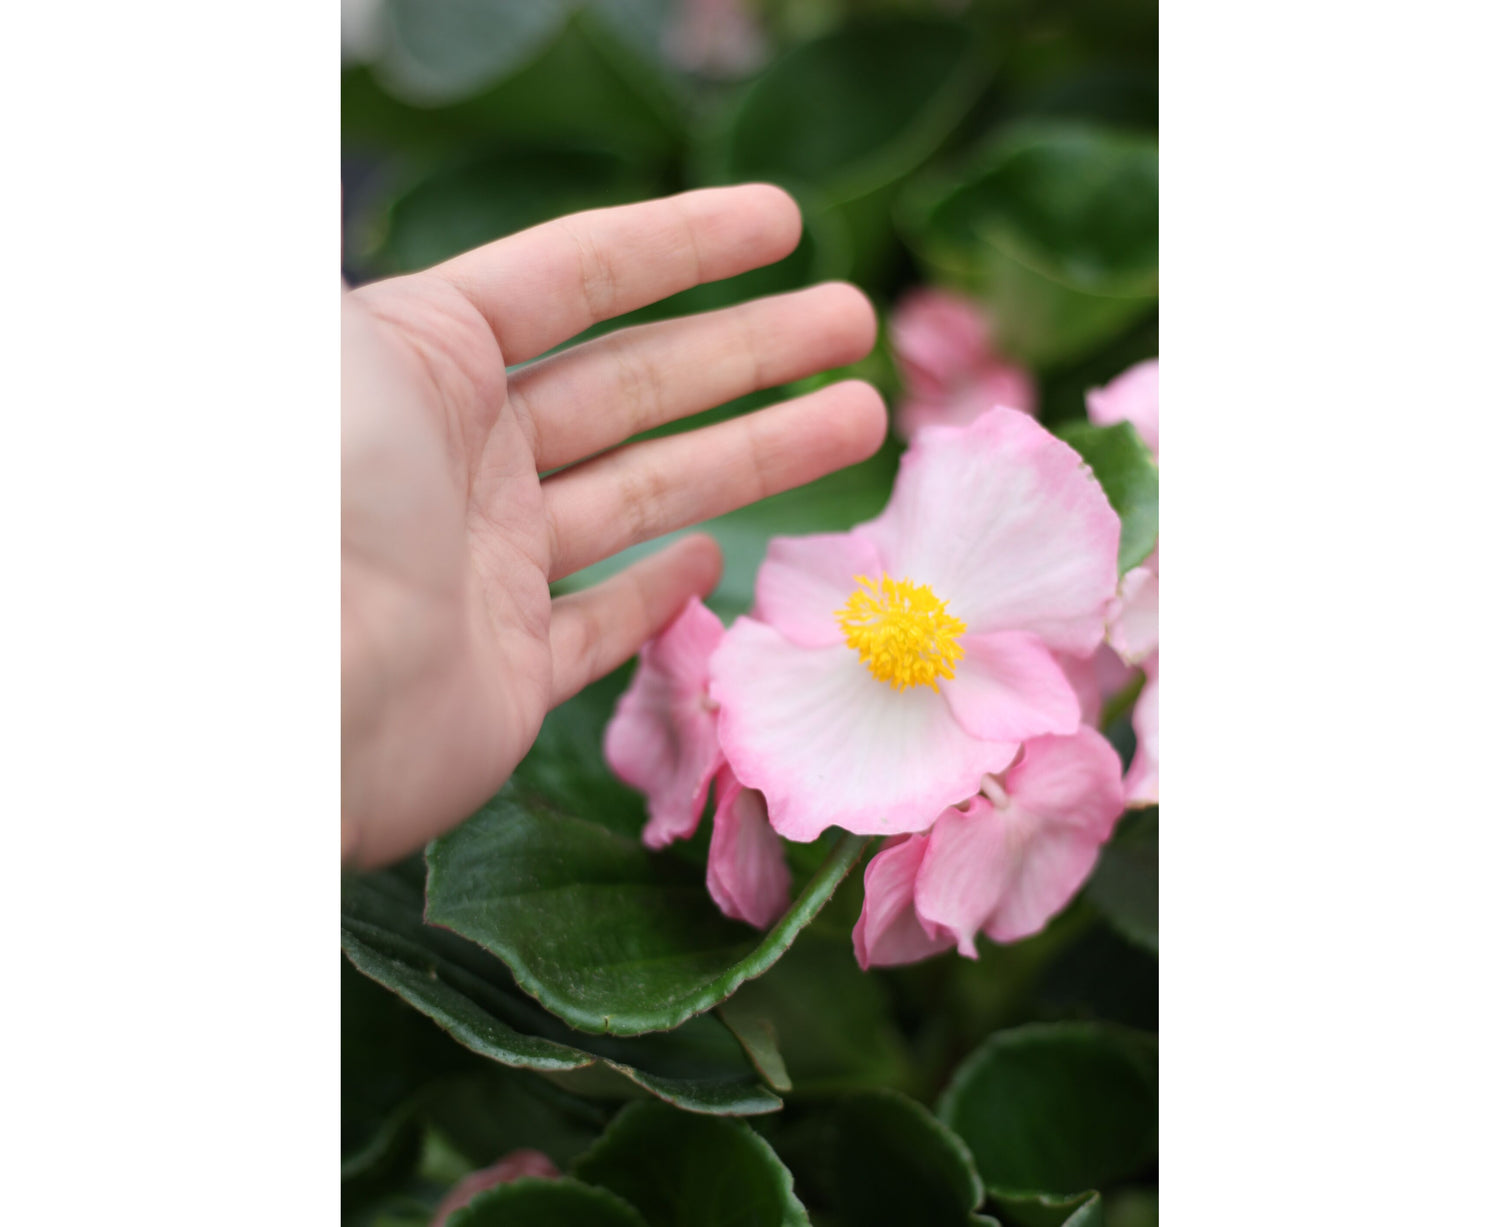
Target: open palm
[{"x": 467, "y": 492}]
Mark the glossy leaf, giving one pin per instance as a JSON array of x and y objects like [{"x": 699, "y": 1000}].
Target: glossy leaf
[
  {"x": 1125, "y": 468},
  {"x": 606, "y": 935},
  {"x": 489, "y": 1110},
  {"x": 1056, "y": 230},
  {"x": 388, "y": 1053},
  {"x": 551, "y": 78},
  {"x": 881, "y": 95},
  {"x": 832, "y": 1023},
  {"x": 1124, "y": 885},
  {"x": 685, "y": 1171},
  {"x": 534, "y": 1202},
  {"x": 700, "y": 1066},
  {"x": 1056, "y": 1108},
  {"x": 471, "y": 202},
  {"x": 1082, "y": 1210},
  {"x": 895, "y": 1164}
]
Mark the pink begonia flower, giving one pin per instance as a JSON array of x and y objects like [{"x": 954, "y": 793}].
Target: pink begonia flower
[
  {"x": 1130, "y": 397},
  {"x": 1141, "y": 786},
  {"x": 663, "y": 738},
  {"x": 512, "y": 1167},
  {"x": 1133, "y": 619},
  {"x": 997, "y": 547},
  {"x": 718, "y": 38},
  {"x": 942, "y": 349},
  {"x": 1002, "y": 864},
  {"x": 747, "y": 873}
]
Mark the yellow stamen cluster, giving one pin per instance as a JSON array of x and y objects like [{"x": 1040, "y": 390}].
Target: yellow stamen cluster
[{"x": 902, "y": 632}]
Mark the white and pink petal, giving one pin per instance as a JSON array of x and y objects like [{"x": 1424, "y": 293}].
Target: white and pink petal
[
  {"x": 1009, "y": 687},
  {"x": 1007, "y": 524},
  {"x": 829, "y": 745},
  {"x": 805, "y": 581}
]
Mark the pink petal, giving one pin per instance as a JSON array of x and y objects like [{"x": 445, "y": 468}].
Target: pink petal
[
  {"x": 662, "y": 738},
  {"x": 1095, "y": 679},
  {"x": 1009, "y": 870},
  {"x": 1142, "y": 787},
  {"x": 804, "y": 582},
  {"x": 1073, "y": 780},
  {"x": 515, "y": 1165},
  {"x": 747, "y": 873},
  {"x": 1006, "y": 523},
  {"x": 1134, "y": 397},
  {"x": 1133, "y": 616},
  {"x": 938, "y": 338},
  {"x": 968, "y": 398},
  {"x": 1008, "y": 687},
  {"x": 887, "y": 932},
  {"x": 831, "y": 746},
  {"x": 970, "y": 859}
]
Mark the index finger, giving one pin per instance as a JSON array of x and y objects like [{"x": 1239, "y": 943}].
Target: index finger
[{"x": 544, "y": 285}]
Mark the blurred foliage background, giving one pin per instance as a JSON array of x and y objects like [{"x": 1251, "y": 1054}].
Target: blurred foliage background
[{"x": 1004, "y": 148}]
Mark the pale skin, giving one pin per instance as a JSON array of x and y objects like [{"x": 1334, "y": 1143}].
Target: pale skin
[{"x": 453, "y": 648}]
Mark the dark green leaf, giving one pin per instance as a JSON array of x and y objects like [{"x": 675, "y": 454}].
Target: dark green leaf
[
  {"x": 388, "y": 1053},
  {"x": 685, "y": 1171},
  {"x": 1125, "y": 469},
  {"x": 533, "y": 1202},
  {"x": 487, "y": 1112},
  {"x": 700, "y": 1066},
  {"x": 1057, "y": 231},
  {"x": 1124, "y": 885},
  {"x": 606, "y": 935},
  {"x": 465, "y": 204},
  {"x": 546, "y": 80},
  {"x": 1056, "y": 1108},
  {"x": 895, "y": 1164},
  {"x": 832, "y": 1022},
  {"x": 854, "y": 110},
  {"x": 1083, "y": 1210}
]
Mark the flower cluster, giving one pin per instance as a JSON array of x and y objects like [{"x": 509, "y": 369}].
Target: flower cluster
[{"x": 930, "y": 676}]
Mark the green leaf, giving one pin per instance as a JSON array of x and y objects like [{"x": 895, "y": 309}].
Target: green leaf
[
  {"x": 894, "y": 1164},
  {"x": 1125, "y": 469},
  {"x": 1082, "y": 1210},
  {"x": 1057, "y": 1108},
  {"x": 1056, "y": 230},
  {"x": 606, "y": 935},
  {"x": 854, "y": 110},
  {"x": 832, "y": 1023},
  {"x": 388, "y": 1053},
  {"x": 757, "y": 1034},
  {"x": 548, "y": 77},
  {"x": 700, "y": 1066},
  {"x": 489, "y": 1111},
  {"x": 684, "y": 1171},
  {"x": 534, "y": 1202},
  {"x": 1124, "y": 885},
  {"x": 473, "y": 201}
]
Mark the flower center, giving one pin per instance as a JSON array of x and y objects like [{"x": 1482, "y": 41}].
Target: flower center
[{"x": 902, "y": 632}]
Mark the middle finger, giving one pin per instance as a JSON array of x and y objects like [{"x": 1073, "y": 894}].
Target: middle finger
[{"x": 598, "y": 394}]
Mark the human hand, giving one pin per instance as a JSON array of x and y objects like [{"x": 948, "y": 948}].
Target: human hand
[{"x": 453, "y": 648}]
